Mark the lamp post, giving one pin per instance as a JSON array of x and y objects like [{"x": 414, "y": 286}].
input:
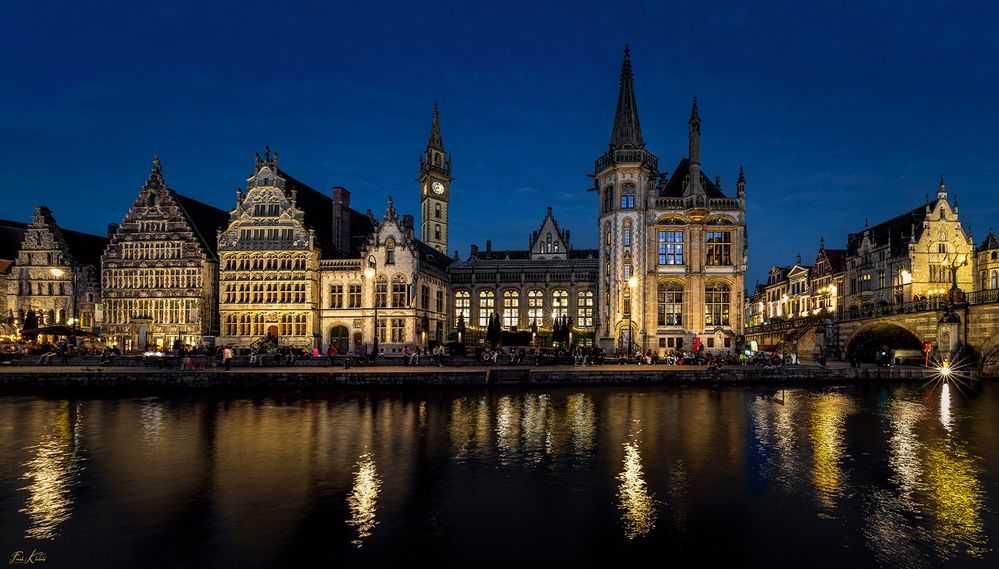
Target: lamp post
[
  {"x": 632, "y": 283},
  {"x": 57, "y": 272},
  {"x": 369, "y": 272}
]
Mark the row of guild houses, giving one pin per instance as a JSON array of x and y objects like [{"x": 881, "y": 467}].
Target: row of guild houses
[
  {"x": 300, "y": 266},
  {"x": 917, "y": 257}
]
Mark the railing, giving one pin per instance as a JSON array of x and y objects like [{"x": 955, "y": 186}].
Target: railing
[
  {"x": 615, "y": 156},
  {"x": 340, "y": 264},
  {"x": 983, "y": 296},
  {"x": 724, "y": 204}
]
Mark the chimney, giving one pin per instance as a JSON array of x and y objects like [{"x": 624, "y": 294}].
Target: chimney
[
  {"x": 407, "y": 221},
  {"x": 341, "y": 221},
  {"x": 475, "y": 249},
  {"x": 489, "y": 246},
  {"x": 112, "y": 229},
  {"x": 566, "y": 238}
]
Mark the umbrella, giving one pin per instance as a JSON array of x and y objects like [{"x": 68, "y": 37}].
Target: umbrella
[{"x": 58, "y": 331}]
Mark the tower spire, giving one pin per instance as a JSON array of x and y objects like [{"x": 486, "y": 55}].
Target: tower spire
[
  {"x": 627, "y": 131},
  {"x": 695, "y": 134},
  {"x": 155, "y": 180},
  {"x": 942, "y": 190},
  {"x": 435, "y": 132}
]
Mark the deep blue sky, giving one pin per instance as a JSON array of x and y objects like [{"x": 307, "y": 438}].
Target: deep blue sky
[{"x": 838, "y": 113}]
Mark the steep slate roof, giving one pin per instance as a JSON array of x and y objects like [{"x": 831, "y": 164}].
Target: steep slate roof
[
  {"x": 897, "y": 230},
  {"x": 318, "y": 211},
  {"x": 525, "y": 255},
  {"x": 430, "y": 255},
  {"x": 990, "y": 242},
  {"x": 206, "y": 220},
  {"x": 627, "y": 132},
  {"x": 11, "y": 236},
  {"x": 86, "y": 248},
  {"x": 836, "y": 257},
  {"x": 674, "y": 185}
]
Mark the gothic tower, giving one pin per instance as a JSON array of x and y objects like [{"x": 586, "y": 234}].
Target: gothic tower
[
  {"x": 625, "y": 176},
  {"x": 435, "y": 189}
]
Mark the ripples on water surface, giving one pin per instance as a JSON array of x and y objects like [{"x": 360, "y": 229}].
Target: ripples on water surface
[{"x": 877, "y": 476}]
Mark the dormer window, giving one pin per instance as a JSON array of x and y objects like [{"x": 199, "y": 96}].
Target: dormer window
[
  {"x": 548, "y": 240},
  {"x": 390, "y": 252}
]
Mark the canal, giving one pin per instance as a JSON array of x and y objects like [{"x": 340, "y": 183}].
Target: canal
[{"x": 860, "y": 476}]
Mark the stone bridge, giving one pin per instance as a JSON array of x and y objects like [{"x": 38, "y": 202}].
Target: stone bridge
[{"x": 973, "y": 326}]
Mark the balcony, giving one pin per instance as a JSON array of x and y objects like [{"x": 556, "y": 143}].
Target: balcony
[{"x": 626, "y": 156}]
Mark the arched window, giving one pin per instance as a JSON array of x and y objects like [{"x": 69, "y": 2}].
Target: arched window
[
  {"x": 437, "y": 232},
  {"x": 548, "y": 247},
  {"x": 535, "y": 307},
  {"x": 995, "y": 255},
  {"x": 670, "y": 304},
  {"x": 628, "y": 197},
  {"x": 381, "y": 291},
  {"x": 462, "y": 307},
  {"x": 608, "y": 198},
  {"x": 584, "y": 308},
  {"x": 627, "y": 267},
  {"x": 716, "y": 304},
  {"x": 511, "y": 308},
  {"x": 607, "y": 234},
  {"x": 487, "y": 304},
  {"x": 437, "y": 211},
  {"x": 995, "y": 279},
  {"x": 560, "y": 303},
  {"x": 626, "y": 234}
]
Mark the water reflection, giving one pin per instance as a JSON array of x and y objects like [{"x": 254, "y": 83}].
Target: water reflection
[
  {"x": 774, "y": 429},
  {"x": 636, "y": 502},
  {"x": 955, "y": 500},
  {"x": 827, "y": 417},
  {"x": 945, "y": 418},
  {"x": 51, "y": 473},
  {"x": 582, "y": 418},
  {"x": 363, "y": 499}
]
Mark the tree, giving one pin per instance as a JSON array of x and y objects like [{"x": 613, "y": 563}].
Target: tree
[{"x": 493, "y": 331}]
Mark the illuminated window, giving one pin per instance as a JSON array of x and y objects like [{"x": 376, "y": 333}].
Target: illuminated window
[
  {"x": 462, "y": 306},
  {"x": 584, "y": 308},
  {"x": 719, "y": 248},
  {"x": 381, "y": 292},
  {"x": 487, "y": 304},
  {"x": 670, "y": 304},
  {"x": 671, "y": 247},
  {"x": 716, "y": 304},
  {"x": 535, "y": 307},
  {"x": 560, "y": 303},
  {"x": 399, "y": 292},
  {"x": 626, "y": 234},
  {"x": 398, "y": 330},
  {"x": 511, "y": 308},
  {"x": 336, "y": 296}
]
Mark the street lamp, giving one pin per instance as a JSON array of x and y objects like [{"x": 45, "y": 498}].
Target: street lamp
[
  {"x": 370, "y": 274},
  {"x": 632, "y": 283}
]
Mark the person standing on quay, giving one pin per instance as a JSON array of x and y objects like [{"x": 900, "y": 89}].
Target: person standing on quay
[{"x": 227, "y": 357}]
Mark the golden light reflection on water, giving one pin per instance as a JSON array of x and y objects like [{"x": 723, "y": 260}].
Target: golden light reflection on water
[
  {"x": 535, "y": 426},
  {"x": 507, "y": 428},
  {"x": 827, "y": 431},
  {"x": 955, "y": 499},
  {"x": 773, "y": 424},
  {"x": 945, "y": 418},
  {"x": 50, "y": 474},
  {"x": 363, "y": 499},
  {"x": 904, "y": 447},
  {"x": 582, "y": 417},
  {"x": 636, "y": 502}
]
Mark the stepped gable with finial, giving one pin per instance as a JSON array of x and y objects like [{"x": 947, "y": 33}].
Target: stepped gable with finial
[{"x": 901, "y": 230}]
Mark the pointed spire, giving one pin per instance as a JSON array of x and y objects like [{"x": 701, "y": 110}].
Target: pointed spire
[
  {"x": 822, "y": 242},
  {"x": 695, "y": 134},
  {"x": 390, "y": 209},
  {"x": 436, "y": 141},
  {"x": 627, "y": 132},
  {"x": 740, "y": 184},
  {"x": 155, "y": 180},
  {"x": 942, "y": 190}
]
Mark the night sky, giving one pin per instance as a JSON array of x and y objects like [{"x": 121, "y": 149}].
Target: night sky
[{"x": 836, "y": 113}]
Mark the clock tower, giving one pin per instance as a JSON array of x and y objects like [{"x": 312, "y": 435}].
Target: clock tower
[{"x": 435, "y": 189}]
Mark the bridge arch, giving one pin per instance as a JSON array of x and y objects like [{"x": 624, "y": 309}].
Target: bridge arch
[{"x": 865, "y": 341}]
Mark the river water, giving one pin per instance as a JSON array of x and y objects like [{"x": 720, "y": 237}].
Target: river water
[{"x": 874, "y": 476}]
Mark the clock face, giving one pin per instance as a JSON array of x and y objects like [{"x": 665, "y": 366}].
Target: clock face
[{"x": 438, "y": 188}]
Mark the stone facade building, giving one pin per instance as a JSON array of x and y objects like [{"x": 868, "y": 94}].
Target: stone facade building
[
  {"x": 527, "y": 288},
  {"x": 160, "y": 271},
  {"x": 672, "y": 246},
  {"x": 913, "y": 256},
  {"x": 11, "y": 236},
  {"x": 56, "y": 276},
  {"x": 987, "y": 263}
]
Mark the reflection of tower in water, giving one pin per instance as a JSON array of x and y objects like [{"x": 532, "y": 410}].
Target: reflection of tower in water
[
  {"x": 827, "y": 418},
  {"x": 635, "y": 500},
  {"x": 363, "y": 499},
  {"x": 51, "y": 473}
]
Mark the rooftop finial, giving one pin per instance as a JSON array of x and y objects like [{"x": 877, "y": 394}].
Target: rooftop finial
[
  {"x": 693, "y": 112},
  {"x": 822, "y": 242},
  {"x": 155, "y": 179},
  {"x": 942, "y": 190}
]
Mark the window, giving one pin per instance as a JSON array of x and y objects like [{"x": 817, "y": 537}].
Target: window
[
  {"x": 670, "y": 304},
  {"x": 381, "y": 330},
  {"x": 440, "y": 299},
  {"x": 626, "y": 235},
  {"x": 462, "y": 306},
  {"x": 336, "y": 296},
  {"x": 390, "y": 252},
  {"x": 381, "y": 292},
  {"x": 437, "y": 232},
  {"x": 607, "y": 234},
  {"x": 995, "y": 280},
  {"x": 881, "y": 279},
  {"x": 719, "y": 248},
  {"x": 425, "y": 297},
  {"x": 716, "y": 304},
  {"x": 560, "y": 303},
  {"x": 354, "y": 296},
  {"x": 627, "y": 268},
  {"x": 437, "y": 211},
  {"x": 548, "y": 246},
  {"x": 398, "y": 330},
  {"x": 399, "y": 293},
  {"x": 608, "y": 198},
  {"x": 487, "y": 304},
  {"x": 535, "y": 307},
  {"x": 671, "y": 247},
  {"x": 626, "y": 302},
  {"x": 628, "y": 197},
  {"x": 511, "y": 308},
  {"x": 941, "y": 248},
  {"x": 711, "y": 342},
  {"x": 865, "y": 282},
  {"x": 584, "y": 308}
]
